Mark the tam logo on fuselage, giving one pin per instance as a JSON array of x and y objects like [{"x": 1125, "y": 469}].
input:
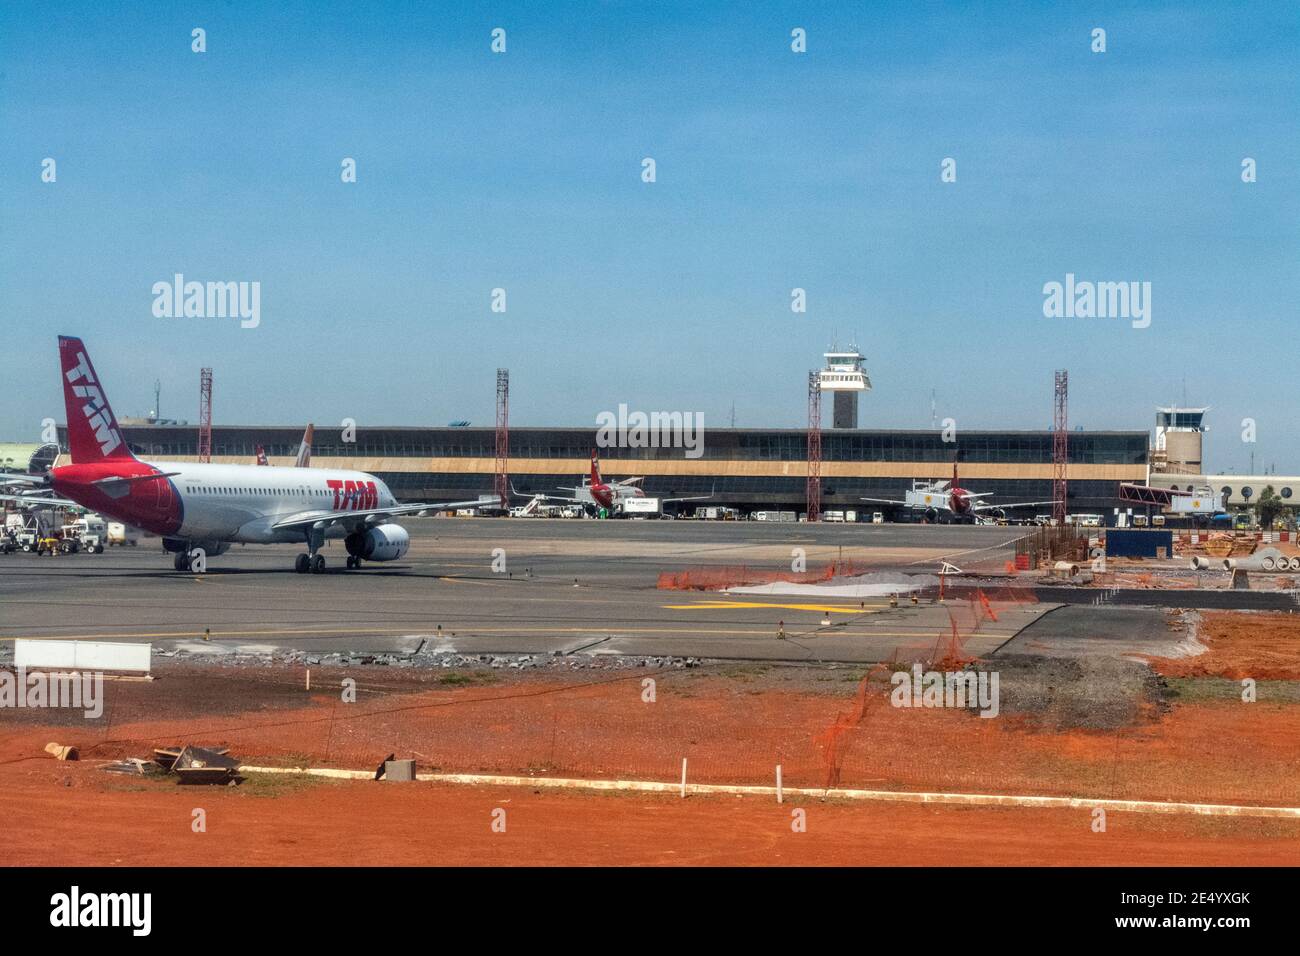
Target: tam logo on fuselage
[
  {"x": 96, "y": 410},
  {"x": 353, "y": 495}
]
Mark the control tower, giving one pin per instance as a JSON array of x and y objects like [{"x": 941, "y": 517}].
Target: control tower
[
  {"x": 1178, "y": 440},
  {"x": 844, "y": 376}
]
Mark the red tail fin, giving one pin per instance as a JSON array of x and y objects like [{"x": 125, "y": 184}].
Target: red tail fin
[
  {"x": 595, "y": 469},
  {"x": 93, "y": 434},
  {"x": 304, "y": 450}
]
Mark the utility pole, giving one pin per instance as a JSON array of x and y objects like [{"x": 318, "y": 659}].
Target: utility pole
[
  {"x": 1060, "y": 445},
  {"x": 814, "y": 486},
  {"x": 502, "y": 487},
  {"x": 205, "y": 415}
]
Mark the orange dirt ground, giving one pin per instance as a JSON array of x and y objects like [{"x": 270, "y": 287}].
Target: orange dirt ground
[
  {"x": 733, "y": 722},
  {"x": 732, "y": 729},
  {"x": 69, "y": 815},
  {"x": 1262, "y": 646}
]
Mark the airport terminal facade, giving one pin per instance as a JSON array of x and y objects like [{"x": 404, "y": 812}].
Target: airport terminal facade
[{"x": 746, "y": 468}]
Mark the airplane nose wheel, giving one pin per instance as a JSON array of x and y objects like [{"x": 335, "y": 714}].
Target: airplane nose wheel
[
  {"x": 181, "y": 562},
  {"x": 353, "y": 562}
]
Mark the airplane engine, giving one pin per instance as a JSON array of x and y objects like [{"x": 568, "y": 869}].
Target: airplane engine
[{"x": 386, "y": 542}]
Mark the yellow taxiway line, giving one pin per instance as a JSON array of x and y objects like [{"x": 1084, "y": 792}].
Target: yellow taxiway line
[{"x": 740, "y": 605}]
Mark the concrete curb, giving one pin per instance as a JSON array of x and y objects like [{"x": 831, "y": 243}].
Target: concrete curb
[{"x": 895, "y": 796}]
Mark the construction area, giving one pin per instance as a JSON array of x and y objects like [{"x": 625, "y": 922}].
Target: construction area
[{"x": 634, "y": 694}]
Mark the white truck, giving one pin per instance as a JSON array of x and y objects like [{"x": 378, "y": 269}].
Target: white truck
[
  {"x": 641, "y": 508},
  {"x": 122, "y": 535}
]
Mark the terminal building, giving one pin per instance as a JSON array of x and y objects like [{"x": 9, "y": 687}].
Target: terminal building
[{"x": 745, "y": 468}]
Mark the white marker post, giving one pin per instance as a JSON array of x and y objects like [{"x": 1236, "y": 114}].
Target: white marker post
[
  {"x": 309, "y": 680},
  {"x": 780, "y": 793},
  {"x": 683, "y": 778}
]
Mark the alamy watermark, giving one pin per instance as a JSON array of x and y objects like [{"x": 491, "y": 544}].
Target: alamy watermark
[
  {"x": 81, "y": 690},
  {"x": 963, "y": 689},
  {"x": 651, "y": 430},
  {"x": 1098, "y": 300},
  {"x": 208, "y": 300}
]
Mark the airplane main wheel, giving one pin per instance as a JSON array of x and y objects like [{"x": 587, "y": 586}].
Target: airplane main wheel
[
  {"x": 181, "y": 561},
  {"x": 353, "y": 562},
  {"x": 302, "y": 563},
  {"x": 317, "y": 564}
]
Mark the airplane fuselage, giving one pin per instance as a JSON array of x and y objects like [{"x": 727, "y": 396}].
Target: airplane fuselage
[
  {"x": 608, "y": 496},
  {"x": 218, "y": 503}
]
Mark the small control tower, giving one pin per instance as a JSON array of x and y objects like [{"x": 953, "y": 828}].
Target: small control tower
[
  {"x": 1179, "y": 434},
  {"x": 844, "y": 376}
]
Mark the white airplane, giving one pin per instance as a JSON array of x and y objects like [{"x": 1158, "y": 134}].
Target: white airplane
[
  {"x": 202, "y": 509},
  {"x": 946, "y": 500},
  {"x": 596, "y": 492}
]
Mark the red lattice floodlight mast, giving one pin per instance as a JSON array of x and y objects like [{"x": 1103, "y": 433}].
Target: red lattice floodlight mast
[
  {"x": 814, "y": 490},
  {"x": 205, "y": 415},
  {"x": 1060, "y": 445},
  {"x": 502, "y": 486}
]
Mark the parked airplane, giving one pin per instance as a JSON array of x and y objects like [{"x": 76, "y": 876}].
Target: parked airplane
[
  {"x": 201, "y": 509},
  {"x": 946, "y": 500},
  {"x": 596, "y": 492}
]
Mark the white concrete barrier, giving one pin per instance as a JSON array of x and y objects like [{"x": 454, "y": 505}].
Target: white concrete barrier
[{"x": 82, "y": 655}]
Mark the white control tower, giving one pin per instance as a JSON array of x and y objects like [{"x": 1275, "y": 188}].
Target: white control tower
[{"x": 844, "y": 376}]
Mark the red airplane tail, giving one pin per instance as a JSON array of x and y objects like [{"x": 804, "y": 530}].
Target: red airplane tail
[
  {"x": 93, "y": 433},
  {"x": 595, "y": 469}
]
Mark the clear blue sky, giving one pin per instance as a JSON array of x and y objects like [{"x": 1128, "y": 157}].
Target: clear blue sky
[{"x": 775, "y": 170}]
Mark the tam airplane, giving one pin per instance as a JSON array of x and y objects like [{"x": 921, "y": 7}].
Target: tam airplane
[
  {"x": 610, "y": 495},
  {"x": 202, "y": 509},
  {"x": 948, "y": 501}
]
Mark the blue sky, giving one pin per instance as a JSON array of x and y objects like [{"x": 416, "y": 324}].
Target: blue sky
[{"x": 775, "y": 171}]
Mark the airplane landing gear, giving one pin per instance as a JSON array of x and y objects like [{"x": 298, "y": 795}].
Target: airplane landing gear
[
  {"x": 353, "y": 562},
  {"x": 312, "y": 561},
  {"x": 191, "y": 560}
]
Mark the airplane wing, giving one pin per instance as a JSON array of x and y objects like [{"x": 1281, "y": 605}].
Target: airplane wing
[
  {"x": 693, "y": 498},
  {"x": 546, "y": 497},
  {"x": 984, "y": 506},
  {"x": 885, "y": 501},
  {"x": 356, "y": 520},
  {"x": 9, "y": 478},
  {"x": 30, "y": 500}
]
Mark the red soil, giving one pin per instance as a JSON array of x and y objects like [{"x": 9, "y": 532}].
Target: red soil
[
  {"x": 73, "y": 816},
  {"x": 1260, "y": 646}
]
